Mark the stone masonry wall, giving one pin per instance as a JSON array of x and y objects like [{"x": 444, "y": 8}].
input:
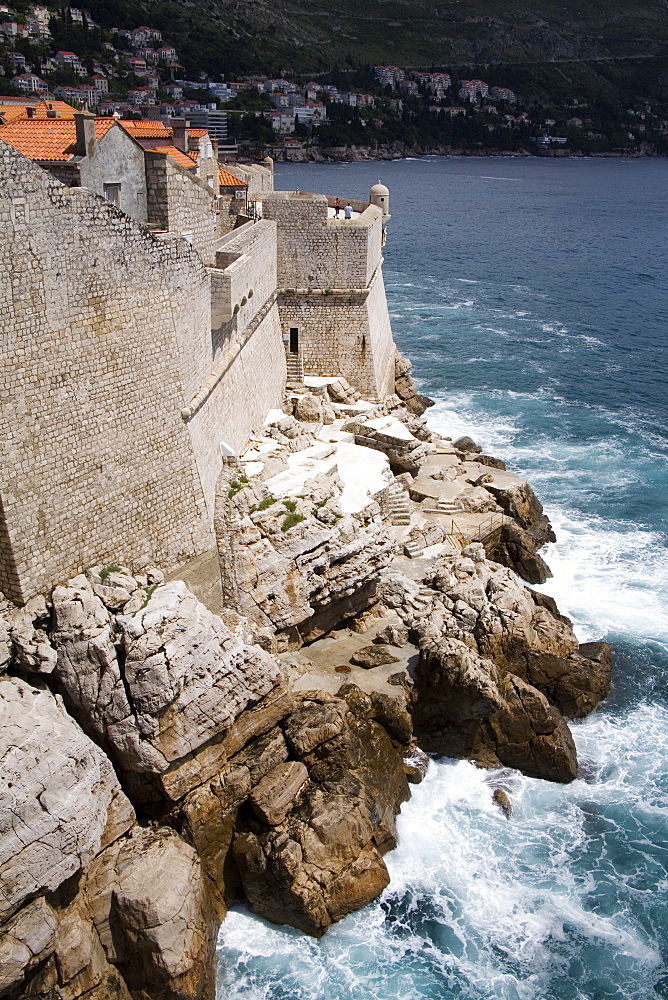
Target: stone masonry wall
[
  {"x": 344, "y": 334},
  {"x": 331, "y": 289},
  {"x": 249, "y": 371},
  {"x": 117, "y": 159},
  {"x": 106, "y": 333},
  {"x": 179, "y": 202},
  {"x": 314, "y": 252}
]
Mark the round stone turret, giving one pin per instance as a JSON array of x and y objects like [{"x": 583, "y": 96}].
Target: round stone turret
[{"x": 380, "y": 196}]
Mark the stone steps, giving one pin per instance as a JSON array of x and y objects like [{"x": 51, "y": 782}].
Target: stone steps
[
  {"x": 448, "y": 507},
  {"x": 398, "y": 505},
  {"x": 295, "y": 367}
]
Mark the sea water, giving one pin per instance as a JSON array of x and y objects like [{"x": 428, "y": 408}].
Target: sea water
[{"x": 532, "y": 297}]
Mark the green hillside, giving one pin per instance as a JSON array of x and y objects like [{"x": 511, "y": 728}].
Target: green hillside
[{"x": 308, "y": 36}]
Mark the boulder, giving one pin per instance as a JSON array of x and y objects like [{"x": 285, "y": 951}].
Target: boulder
[
  {"x": 373, "y": 656},
  {"x": 467, "y": 445},
  {"x": 392, "y": 436},
  {"x": 468, "y": 707},
  {"x": 182, "y": 681},
  {"x": 31, "y": 651},
  {"x": 394, "y": 635},
  {"x": 516, "y": 548},
  {"x": 150, "y": 903},
  {"x": 60, "y": 798},
  {"x": 309, "y": 409},
  {"x": 299, "y": 569},
  {"x": 324, "y": 860},
  {"x": 520, "y": 503}
]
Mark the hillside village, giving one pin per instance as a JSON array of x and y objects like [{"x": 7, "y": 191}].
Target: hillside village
[{"x": 63, "y": 54}]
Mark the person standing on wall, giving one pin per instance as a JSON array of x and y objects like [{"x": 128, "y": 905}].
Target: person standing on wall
[
  {"x": 337, "y": 208},
  {"x": 348, "y": 211}
]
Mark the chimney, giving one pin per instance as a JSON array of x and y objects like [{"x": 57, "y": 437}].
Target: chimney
[
  {"x": 85, "y": 126},
  {"x": 180, "y": 133}
]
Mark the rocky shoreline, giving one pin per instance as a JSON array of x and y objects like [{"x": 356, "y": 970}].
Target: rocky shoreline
[{"x": 161, "y": 759}]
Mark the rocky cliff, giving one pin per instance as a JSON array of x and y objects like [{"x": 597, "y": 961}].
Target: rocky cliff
[{"x": 160, "y": 760}]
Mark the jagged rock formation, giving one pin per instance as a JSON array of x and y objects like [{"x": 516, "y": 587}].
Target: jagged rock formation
[
  {"x": 163, "y": 687},
  {"x": 325, "y": 859},
  {"x": 292, "y": 800},
  {"x": 405, "y": 387},
  {"x": 298, "y": 565},
  {"x": 169, "y": 766},
  {"x": 497, "y": 666}
]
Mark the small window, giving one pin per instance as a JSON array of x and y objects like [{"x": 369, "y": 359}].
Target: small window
[
  {"x": 112, "y": 192},
  {"x": 294, "y": 340}
]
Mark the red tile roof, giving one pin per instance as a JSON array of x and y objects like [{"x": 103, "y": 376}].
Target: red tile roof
[
  {"x": 48, "y": 138},
  {"x": 226, "y": 179}
]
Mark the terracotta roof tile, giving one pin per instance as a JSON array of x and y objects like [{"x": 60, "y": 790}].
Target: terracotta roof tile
[
  {"x": 197, "y": 133},
  {"x": 48, "y": 138},
  {"x": 226, "y": 179},
  {"x": 146, "y": 129},
  {"x": 177, "y": 155}
]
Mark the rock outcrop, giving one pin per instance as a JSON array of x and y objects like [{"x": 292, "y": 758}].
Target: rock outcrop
[
  {"x": 163, "y": 689},
  {"x": 297, "y": 566},
  {"x": 312, "y": 865},
  {"x": 498, "y": 666},
  {"x": 405, "y": 387}
]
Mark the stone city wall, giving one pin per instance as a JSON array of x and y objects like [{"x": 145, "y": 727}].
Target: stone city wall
[
  {"x": 105, "y": 331},
  {"x": 317, "y": 252},
  {"x": 243, "y": 279},
  {"x": 180, "y": 203}
]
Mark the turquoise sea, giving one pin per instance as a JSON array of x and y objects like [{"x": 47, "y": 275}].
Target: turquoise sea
[{"x": 532, "y": 297}]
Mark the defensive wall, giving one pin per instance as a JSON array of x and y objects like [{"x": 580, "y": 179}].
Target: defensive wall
[
  {"x": 331, "y": 292},
  {"x": 106, "y": 340},
  {"x": 134, "y": 360}
]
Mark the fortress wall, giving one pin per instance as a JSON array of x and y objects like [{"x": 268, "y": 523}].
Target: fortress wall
[
  {"x": 179, "y": 202},
  {"x": 346, "y": 334},
  {"x": 243, "y": 280},
  {"x": 253, "y": 383},
  {"x": 249, "y": 368},
  {"x": 383, "y": 348},
  {"x": 104, "y": 330},
  {"x": 316, "y": 253}
]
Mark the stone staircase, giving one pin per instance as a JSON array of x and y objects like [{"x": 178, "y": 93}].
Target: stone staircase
[
  {"x": 447, "y": 507},
  {"x": 397, "y": 504},
  {"x": 413, "y": 549},
  {"x": 295, "y": 366}
]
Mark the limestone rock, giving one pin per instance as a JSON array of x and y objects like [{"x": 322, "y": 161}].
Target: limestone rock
[
  {"x": 468, "y": 707},
  {"x": 314, "y": 724},
  {"x": 32, "y": 653},
  {"x": 25, "y": 941},
  {"x": 516, "y": 549},
  {"x": 300, "y": 569},
  {"x": 521, "y": 503},
  {"x": 308, "y": 408},
  {"x": 394, "y": 635},
  {"x": 274, "y": 796},
  {"x": 373, "y": 656},
  {"x": 467, "y": 444},
  {"x": 391, "y": 436},
  {"x": 151, "y": 906},
  {"x": 183, "y": 679},
  {"x": 325, "y": 859},
  {"x": 501, "y": 799},
  {"x": 60, "y": 798}
]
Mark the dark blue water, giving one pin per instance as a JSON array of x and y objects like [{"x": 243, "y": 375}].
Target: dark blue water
[{"x": 532, "y": 297}]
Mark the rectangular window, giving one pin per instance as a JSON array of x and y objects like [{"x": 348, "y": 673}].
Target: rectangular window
[
  {"x": 112, "y": 192},
  {"x": 294, "y": 340}
]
